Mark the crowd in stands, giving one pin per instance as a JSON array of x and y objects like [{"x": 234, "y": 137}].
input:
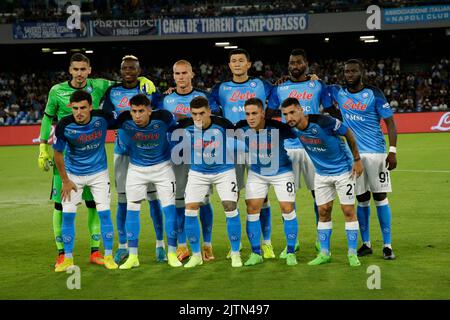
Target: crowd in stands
[
  {"x": 11, "y": 10},
  {"x": 23, "y": 95}
]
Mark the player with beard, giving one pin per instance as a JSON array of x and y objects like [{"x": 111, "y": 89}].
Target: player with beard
[
  {"x": 362, "y": 107},
  {"x": 312, "y": 94}
]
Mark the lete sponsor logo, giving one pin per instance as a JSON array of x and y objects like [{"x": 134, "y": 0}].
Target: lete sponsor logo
[{"x": 444, "y": 123}]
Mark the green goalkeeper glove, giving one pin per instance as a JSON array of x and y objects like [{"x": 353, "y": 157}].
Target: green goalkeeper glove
[
  {"x": 146, "y": 85},
  {"x": 44, "y": 160}
]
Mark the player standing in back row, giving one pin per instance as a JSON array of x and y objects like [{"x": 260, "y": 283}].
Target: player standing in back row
[
  {"x": 178, "y": 103},
  {"x": 231, "y": 96},
  {"x": 362, "y": 108},
  {"x": 117, "y": 99}
]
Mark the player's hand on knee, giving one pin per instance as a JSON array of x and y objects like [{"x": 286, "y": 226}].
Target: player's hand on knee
[
  {"x": 44, "y": 159},
  {"x": 67, "y": 187},
  {"x": 391, "y": 161}
]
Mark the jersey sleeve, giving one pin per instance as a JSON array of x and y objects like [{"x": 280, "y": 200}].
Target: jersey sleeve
[
  {"x": 274, "y": 101},
  {"x": 285, "y": 130},
  {"x": 333, "y": 92},
  {"x": 102, "y": 85},
  {"x": 381, "y": 104},
  {"x": 156, "y": 97},
  {"x": 332, "y": 125},
  {"x": 52, "y": 103},
  {"x": 108, "y": 106},
  {"x": 61, "y": 141},
  {"x": 213, "y": 99},
  {"x": 325, "y": 96},
  {"x": 268, "y": 87}
]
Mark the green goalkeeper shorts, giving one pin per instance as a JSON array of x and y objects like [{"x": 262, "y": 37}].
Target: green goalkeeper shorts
[{"x": 57, "y": 187}]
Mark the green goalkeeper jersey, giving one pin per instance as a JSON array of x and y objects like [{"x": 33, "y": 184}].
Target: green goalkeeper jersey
[
  {"x": 59, "y": 99},
  {"x": 59, "y": 96}
]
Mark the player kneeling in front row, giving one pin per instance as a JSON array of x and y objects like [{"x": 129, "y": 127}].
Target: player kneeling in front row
[
  {"x": 269, "y": 165},
  {"x": 84, "y": 164},
  {"x": 205, "y": 141},
  {"x": 149, "y": 152},
  {"x": 336, "y": 172}
]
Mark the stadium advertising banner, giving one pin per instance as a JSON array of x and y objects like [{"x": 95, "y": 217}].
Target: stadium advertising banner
[
  {"x": 416, "y": 14},
  {"x": 29, "y": 135},
  {"x": 252, "y": 24},
  {"x": 406, "y": 123},
  {"x": 47, "y": 30},
  {"x": 118, "y": 28}
]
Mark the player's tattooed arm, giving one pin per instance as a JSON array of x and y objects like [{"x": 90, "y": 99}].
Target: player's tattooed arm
[
  {"x": 391, "y": 159},
  {"x": 67, "y": 184},
  {"x": 358, "y": 168}
]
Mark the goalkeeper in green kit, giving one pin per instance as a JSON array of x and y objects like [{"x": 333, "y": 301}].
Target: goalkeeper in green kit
[{"x": 58, "y": 107}]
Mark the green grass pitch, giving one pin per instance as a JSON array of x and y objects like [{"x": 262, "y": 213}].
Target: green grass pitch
[{"x": 421, "y": 223}]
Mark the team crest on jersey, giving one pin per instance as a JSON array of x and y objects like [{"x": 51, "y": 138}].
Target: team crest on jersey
[
  {"x": 97, "y": 124},
  {"x": 155, "y": 126},
  {"x": 311, "y": 84},
  {"x": 314, "y": 131},
  {"x": 365, "y": 95},
  {"x": 89, "y": 89},
  {"x": 71, "y": 131},
  {"x": 253, "y": 84}
]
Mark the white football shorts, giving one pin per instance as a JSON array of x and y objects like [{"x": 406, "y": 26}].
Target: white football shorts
[
  {"x": 376, "y": 177},
  {"x": 199, "y": 184},
  {"x": 100, "y": 189},
  {"x": 326, "y": 188},
  {"x": 121, "y": 162},
  {"x": 161, "y": 175},
  {"x": 258, "y": 186}
]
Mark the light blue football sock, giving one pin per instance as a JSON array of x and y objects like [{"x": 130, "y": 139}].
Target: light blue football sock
[
  {"x": 253, "y": 229},
  {"x": 133, "y": 227},
  {"x": 170, "y": 215},
  {"x": 107, "y": 229},
  {"x": 192, "y": 229},
  {"x": 234, "y": 229},
  {"x": 120, "y": 221},
  {"x": 351, "y": 229},
  {"x": 206, "y": 218},
  {"x": 181, "y": 234},
  {"x": 385, "y": 219},
  {"x": 363, "y": 213},
  {"x": 68, "y": 231},
  {"x": 157, "y": 217},
  {"x": 324, "y": 231},
  {"x": 290, "y": 224},
  {"x": 266, "y": 222}
]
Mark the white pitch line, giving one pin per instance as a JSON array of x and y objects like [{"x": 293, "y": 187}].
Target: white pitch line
[{"x": 424, "y": 171}]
